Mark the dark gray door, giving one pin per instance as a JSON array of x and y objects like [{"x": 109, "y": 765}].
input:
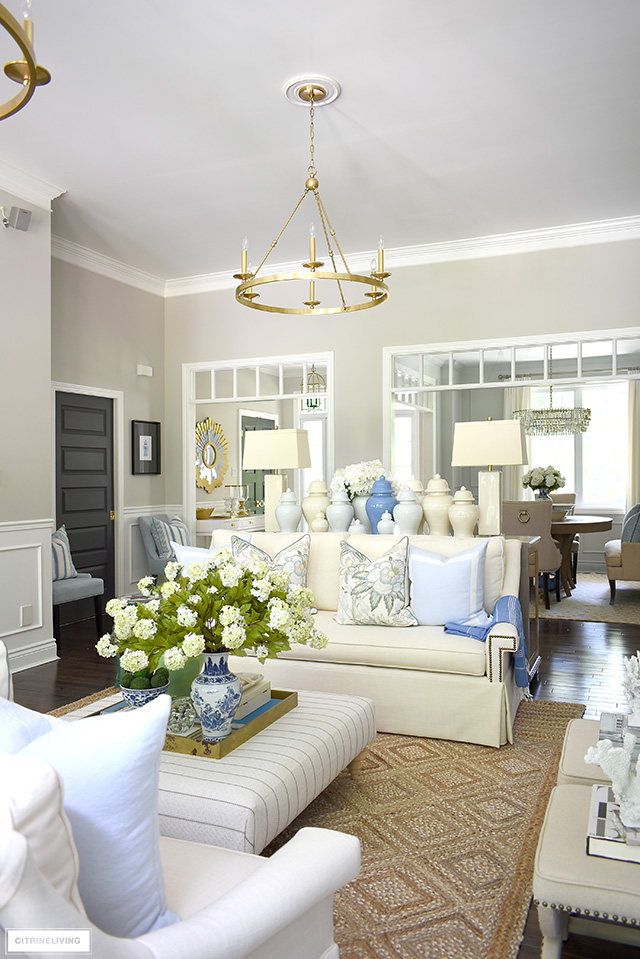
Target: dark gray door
[
  {"x": 84, "y": 489},
  {"x": 254, "y": 479}
]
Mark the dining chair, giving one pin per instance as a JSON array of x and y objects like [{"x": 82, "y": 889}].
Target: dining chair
[
  {"x": 533, "y": 518},
  {"x": 569, "y": 499}
]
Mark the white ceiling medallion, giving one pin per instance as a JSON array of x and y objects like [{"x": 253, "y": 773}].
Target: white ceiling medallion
[{"x": 293, "y": 88}]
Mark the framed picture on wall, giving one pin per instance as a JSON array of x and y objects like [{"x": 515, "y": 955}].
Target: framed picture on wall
[{"x": 145, "y": 447}]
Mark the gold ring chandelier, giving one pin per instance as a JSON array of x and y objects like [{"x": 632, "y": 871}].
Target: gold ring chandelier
[
  {"x": 26, "y": 72},
  {"x": 336, "y": 282}
]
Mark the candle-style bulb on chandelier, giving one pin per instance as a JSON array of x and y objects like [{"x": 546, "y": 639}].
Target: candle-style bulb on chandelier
[
  {"x": 329, "y": 290},
  {"x": 26, "y": 71}
]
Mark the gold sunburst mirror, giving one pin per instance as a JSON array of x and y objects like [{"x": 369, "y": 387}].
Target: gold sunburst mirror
[{"x": 211, "y": 455}]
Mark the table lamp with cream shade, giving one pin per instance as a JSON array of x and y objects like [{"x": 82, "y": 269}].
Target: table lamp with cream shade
[
  {"x": 275, "y": 450},
  {"x": 495, "y": 442}
]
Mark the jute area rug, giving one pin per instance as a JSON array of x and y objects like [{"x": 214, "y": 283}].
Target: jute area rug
[
  {"x": 589, "y": 602},
  {"x": 449, "y": 833}
]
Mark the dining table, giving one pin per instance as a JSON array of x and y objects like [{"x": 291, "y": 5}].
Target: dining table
[{"x": 564, "y": 531}]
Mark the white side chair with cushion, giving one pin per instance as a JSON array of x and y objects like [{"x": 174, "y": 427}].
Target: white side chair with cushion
[
  {"x": 80, "y": 850},
  {"x": 622, "y": 556}
]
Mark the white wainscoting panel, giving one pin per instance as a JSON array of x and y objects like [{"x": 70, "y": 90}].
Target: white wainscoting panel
[{"x": 26, "y": 619}]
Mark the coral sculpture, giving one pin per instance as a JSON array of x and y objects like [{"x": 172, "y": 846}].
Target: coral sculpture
[
  {"x": 631, "y": 687},
  {"x": 615, "y": 762}
]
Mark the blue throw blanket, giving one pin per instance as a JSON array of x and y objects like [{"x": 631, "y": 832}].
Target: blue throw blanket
[{"x": 506, "y": 610}]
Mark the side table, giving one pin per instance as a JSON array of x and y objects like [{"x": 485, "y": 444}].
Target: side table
[{"x": 575, "y": 892}]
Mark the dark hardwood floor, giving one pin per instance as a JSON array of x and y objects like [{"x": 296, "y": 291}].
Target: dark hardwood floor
[{"x": 581, "y": 663}]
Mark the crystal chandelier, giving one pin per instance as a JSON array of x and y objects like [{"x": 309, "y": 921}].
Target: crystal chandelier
[
  {"x": 341, "y": 289},
  {"x": 26, "y": 72},
  {"x": 554, "y": 421}
]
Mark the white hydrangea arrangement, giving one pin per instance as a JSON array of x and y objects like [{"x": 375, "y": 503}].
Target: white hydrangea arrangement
[
  {"x": 212, "y": 606},
  {"x": 357, "y": 479},
  {"x": 543, "y": 479}
]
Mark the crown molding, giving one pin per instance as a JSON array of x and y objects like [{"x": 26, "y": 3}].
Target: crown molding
[
  {"x": 28, "y": 187},
  {"x": 70, "y": 252},
  {"x": 503, "y": 244}
]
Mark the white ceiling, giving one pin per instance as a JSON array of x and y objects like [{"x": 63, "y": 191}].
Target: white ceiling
[{"x": 166, "y": 125}]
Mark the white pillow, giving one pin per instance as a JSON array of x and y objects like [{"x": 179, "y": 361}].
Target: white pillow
[
  {"x": 31, "y": 802},
  {"x": 292, "y": 559},
  {"x": 448, "y": 589},
  {"x": 374, "y": 592},
  {"x": 191, "y": 554},
  {"x": 109, "y": 770},
  {"x": 19, "y": 726}
]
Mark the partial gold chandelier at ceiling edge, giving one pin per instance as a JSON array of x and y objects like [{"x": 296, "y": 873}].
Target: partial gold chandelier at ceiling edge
[
  {"x": 314, "y": 91},
  {"x": 25, "y": 72}
]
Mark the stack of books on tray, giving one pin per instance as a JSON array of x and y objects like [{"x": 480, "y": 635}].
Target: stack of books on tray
[
  {"x": 256, "y": 692},
  {"x": 607, "y": 836}
]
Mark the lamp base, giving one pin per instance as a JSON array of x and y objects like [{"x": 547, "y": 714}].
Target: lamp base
[
  {"x": 274, "y": 487},
  {"x": 490, "y": 502}
]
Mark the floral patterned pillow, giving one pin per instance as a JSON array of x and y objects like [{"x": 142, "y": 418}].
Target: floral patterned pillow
[
  {"x": 293, "y": 559},
  {"x": 374, "y": 592}
]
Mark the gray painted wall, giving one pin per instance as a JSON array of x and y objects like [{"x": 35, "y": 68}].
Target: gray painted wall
[
  {"x": 25, "y": 362},
  {"x": 578, "y": 289},
  {"x": 100, "y": 331}
]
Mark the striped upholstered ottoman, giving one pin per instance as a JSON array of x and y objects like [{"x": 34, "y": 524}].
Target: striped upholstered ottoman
[{"x": 245, "y": 799}]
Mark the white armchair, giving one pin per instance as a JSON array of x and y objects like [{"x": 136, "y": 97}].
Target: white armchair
[
  {"x": 228, "y": 904},
  {"x": 277, "y": 908}
]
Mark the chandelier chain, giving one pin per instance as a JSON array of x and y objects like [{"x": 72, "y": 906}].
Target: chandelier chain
[{"x": 312, "y": 147}]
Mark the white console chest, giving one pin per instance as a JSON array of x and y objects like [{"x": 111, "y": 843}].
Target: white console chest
[{"x": 205, "y": 527}]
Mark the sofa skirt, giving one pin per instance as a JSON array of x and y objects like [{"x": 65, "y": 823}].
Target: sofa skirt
[{"x": 408, "y": 702}]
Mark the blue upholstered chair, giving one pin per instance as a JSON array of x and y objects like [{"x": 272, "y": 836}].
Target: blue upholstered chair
[
  {"x": 82, "y": 586},
  {"x": 155, "y": 564}
]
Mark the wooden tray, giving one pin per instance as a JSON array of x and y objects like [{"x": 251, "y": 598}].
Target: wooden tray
[{"x": 192, "y": 744}]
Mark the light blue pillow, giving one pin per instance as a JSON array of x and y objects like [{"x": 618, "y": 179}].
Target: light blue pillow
[
  {"x": 448, "y": 589},
  {"x": 61, "y": 562},
  {"x": 175, "y": 530}
]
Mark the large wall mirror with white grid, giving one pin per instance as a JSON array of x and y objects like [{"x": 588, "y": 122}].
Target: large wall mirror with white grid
[
  {"x": 287, "y": 391},
  {"x": 430, "y": 388}
]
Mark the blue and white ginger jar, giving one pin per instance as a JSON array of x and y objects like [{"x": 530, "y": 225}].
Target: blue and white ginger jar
[{"x": 216, "y": 694}]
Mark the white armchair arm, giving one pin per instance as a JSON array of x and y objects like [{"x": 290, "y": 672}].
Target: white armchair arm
[
  {"x": 309, "y": 868},
  {"x": 284, "y": 892}
]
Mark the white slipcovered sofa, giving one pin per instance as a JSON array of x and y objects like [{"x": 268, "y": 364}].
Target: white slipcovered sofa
[{"x": 424, "y": 681}]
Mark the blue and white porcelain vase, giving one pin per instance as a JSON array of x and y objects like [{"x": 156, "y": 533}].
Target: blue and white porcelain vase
[
  {"x": 359, "y": 503},
  {"x": 216, "y": 694},
  {"x": 339, "y": 512},
  {"x": 381, "y": 501}
]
